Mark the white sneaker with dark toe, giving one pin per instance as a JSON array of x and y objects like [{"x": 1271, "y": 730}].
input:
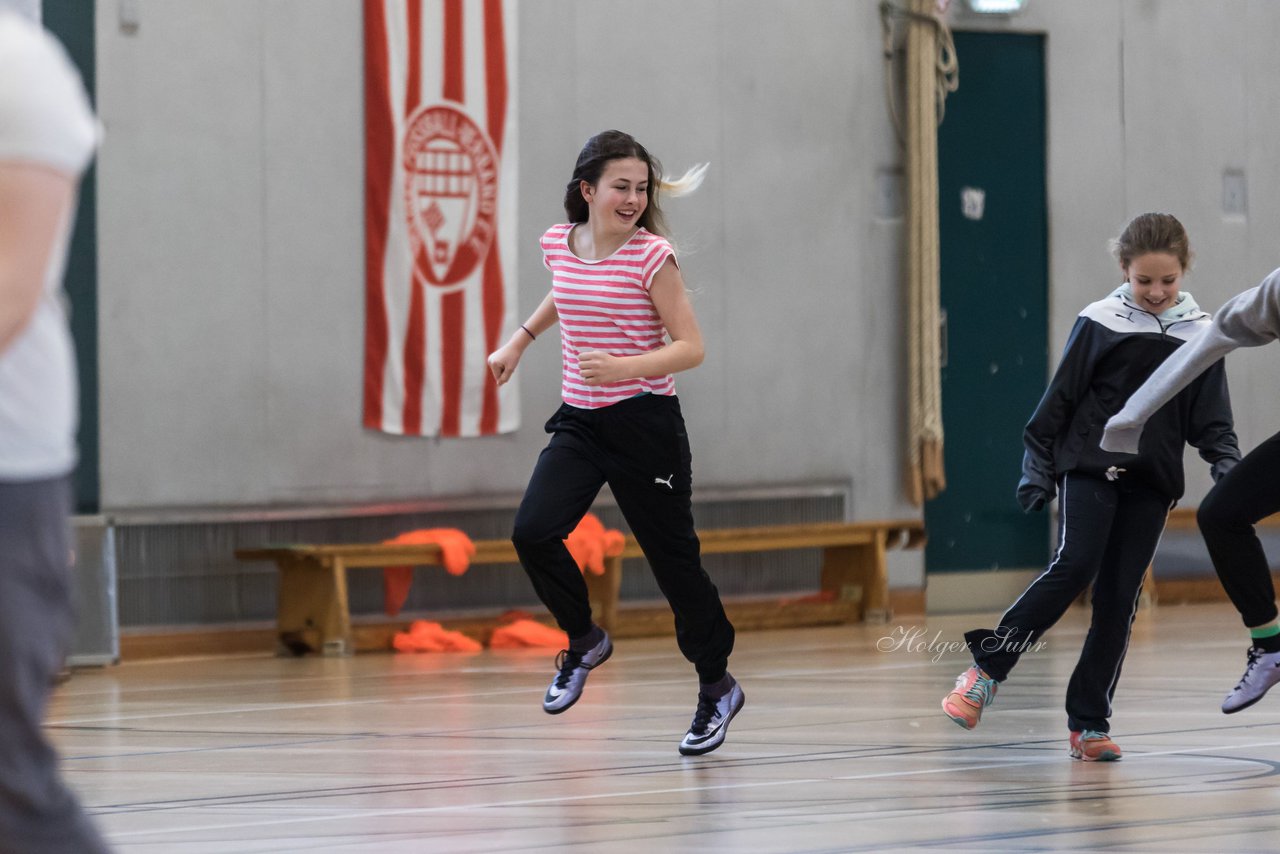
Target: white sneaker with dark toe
[
  {"x": 566, "y": 688},
  {"x": 1262, "y": 671},
  {"x": 711, "y": 722}
]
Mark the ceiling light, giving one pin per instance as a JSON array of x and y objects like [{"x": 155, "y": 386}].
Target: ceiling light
[{"x": 996, "y": 7}]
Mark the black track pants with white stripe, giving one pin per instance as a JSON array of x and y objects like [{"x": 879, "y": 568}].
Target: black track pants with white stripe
[{"x": 1107, "y": 534}]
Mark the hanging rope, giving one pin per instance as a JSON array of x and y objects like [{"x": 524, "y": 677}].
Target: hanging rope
[
  {"x": 931, "y": 73},
  {"x": 947, "y": 68}
]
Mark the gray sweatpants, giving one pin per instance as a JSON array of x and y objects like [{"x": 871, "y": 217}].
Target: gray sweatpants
[{"x": 38, "y": 813}]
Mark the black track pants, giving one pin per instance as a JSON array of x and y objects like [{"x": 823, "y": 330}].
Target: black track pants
[
  {"x": 640, "y": 448},
  {"x": 1107, "y": 531}
]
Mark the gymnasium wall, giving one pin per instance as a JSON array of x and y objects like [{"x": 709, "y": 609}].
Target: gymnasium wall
[
  {"x": 1150, "y": 103},
  {"x": 230, "y": 227},
  {"x": 232, "y": 266}
]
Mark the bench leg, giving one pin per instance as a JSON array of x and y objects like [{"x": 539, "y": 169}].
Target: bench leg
[
  {"x": 859, "y": 574},
  {"x": 1147, "y": 601},
  {"x": 312, "y": 612},
  {"x": 603, "y": 592}
]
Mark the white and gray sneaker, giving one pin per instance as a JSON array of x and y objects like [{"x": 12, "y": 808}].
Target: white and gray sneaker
[
  {"x": 711, "y": 722},
  {"x": 1262, "y": 671},
  {"x": 566, "y": 688}
]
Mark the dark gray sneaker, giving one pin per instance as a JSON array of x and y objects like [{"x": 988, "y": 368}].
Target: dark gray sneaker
[
  {"x": 711, "y": 722},
  {"x": 566, "y": 688}
]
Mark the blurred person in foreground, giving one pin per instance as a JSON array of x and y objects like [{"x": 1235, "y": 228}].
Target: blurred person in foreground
[{"x": 47, "y": 137}]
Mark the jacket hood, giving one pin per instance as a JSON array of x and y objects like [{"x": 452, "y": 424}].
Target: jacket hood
[{"x": 1184, "y": 308}]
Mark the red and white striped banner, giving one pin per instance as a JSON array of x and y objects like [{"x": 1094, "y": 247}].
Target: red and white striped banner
[{"x": 440, "y": 210}]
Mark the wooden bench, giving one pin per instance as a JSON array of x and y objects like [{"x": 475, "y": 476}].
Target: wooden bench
[
  {"x": 312, "y": 611},
  {"x": 1184, "y": 519}
]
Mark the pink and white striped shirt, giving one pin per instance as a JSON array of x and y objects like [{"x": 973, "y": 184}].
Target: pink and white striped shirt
[{"x": 604, "y": 305}]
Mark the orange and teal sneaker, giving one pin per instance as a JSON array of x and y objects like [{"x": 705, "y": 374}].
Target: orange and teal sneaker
[
  {"x": 974, "y": 691},
  {"x": 1093, "y": 746}
]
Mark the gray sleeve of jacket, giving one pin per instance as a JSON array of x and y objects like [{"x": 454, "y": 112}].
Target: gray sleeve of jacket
[{"x": 1249, "y": 319}]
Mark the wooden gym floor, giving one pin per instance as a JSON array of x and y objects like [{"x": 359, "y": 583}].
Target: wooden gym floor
[{"x": 841, "y": 747}]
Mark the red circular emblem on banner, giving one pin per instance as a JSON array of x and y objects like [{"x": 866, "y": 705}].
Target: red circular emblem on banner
[{"x": 450, "y": 193}]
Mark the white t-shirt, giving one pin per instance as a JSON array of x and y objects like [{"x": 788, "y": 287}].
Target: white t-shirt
[{"x": 45, "y": 118}]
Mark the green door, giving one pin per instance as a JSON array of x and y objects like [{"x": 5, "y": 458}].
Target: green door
[
  {"x": 73, "y": 23},
  {"x": 994, "y": 290}
]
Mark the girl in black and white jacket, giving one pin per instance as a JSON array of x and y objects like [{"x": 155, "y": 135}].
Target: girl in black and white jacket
[
  {"x": 1236, "y": 503},
  {"x": 1112, "y": 507}
]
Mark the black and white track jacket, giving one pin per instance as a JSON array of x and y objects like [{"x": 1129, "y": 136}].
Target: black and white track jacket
[{"x": 1113, "y": 348}]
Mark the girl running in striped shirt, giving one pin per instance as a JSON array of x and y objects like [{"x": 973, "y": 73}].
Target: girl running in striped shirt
[{"x": 626, "y": 326}]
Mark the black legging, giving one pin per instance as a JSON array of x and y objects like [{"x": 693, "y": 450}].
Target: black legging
[{"x": 1247, "y": 494}]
